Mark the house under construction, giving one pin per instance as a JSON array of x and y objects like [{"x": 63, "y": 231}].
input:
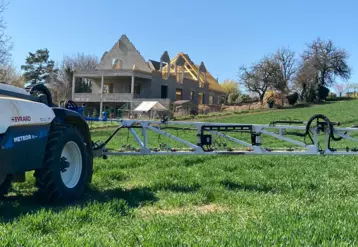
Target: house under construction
[{"x": 124, "y": 77}]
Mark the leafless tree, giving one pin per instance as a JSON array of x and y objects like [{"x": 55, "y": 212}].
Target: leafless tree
[
  {"x": 328, "y": 60},
  {"x": 259, "y": 77},
  {"x": 9, "y": 75},
  {"x": 5, "y": 40},
  {"x": 341, "y": 88},
  {"x": 284, "y": 67},
  {"x": 69, "y": 64},
  {"x": 6, "y": 73},
  {"x": 306, "y": 81}
]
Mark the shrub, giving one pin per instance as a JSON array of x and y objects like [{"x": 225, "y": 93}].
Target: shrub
[
  {"x": 234, "y": 98},
  {"x": 271, "y": 100},
  {"x": 323, "y": 92},
  {"x": 246, "y": 98},
  {"x": 292, "y": 98},
  {"x": 331, "y": 96}
]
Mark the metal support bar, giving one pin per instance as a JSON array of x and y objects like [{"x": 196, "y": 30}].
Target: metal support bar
[
  {"x": 145, "y": 139},
  {"x": 139, "y": 141},
  {"x": 283, "y": 138},
  {"x": 347, "y": 137},
  {"x": 231, "y": 138},
  {"x": 173, "y": 137}
]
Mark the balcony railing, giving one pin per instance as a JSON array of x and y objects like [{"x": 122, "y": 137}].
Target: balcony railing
[
  {"x": 86, "y": 97},
  {"x": 107, "y": 97},
  {"x": 117, "y": 97},
  {"x": 114, "y": 97}
]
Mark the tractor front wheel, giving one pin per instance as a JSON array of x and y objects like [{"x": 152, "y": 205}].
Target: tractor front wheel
[{"x": 66, "y": 166}]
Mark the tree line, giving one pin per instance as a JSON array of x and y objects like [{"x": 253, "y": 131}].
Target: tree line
[
  {"x": 40, "y": 69},
  {"x": 293, "y": 77}
]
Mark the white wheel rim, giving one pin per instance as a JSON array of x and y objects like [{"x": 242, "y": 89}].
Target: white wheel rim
[{"x": 72, "y": 174}]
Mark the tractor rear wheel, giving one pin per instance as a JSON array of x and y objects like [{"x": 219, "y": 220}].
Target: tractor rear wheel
[
  {"x": 5, "y": 184},
  {"x": 66, "y": 166}
]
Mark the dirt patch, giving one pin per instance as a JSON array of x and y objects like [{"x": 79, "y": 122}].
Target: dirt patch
[{"x": 203, "y": 209}]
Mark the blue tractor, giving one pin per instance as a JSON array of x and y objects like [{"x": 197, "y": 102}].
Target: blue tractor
[{"x": 36, "y": 135}]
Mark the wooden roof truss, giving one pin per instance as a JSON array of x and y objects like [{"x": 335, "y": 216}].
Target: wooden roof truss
[{"x": 180, "y": 66}]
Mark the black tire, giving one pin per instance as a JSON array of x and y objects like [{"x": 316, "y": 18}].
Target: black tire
[
  {"x": 90, "y": 169},
  {"x": 5, "y": 186},
  {"x": 51, "y": 186}
]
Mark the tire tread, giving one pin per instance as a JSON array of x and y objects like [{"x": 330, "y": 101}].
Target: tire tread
[{"x": 45, "y": 177}]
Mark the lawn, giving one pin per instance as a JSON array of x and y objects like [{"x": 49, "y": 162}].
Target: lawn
[{"x": 201, "y": 200}]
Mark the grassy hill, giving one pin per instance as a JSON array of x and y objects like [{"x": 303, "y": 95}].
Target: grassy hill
[{"x": 201, "y": 200}]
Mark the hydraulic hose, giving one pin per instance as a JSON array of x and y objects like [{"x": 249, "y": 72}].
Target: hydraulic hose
[{"x": 329, "y": 125}]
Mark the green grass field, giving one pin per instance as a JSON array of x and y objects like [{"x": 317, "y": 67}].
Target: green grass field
[{"x": 201, "y": 200}]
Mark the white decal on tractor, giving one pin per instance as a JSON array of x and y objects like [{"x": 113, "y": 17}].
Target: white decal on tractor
[{"x": 24, "y": 138}]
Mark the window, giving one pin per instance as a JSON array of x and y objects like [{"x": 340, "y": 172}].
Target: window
[
  {"x": 192, "y": 95},
  {"x": 164, "y": 92},
  {"x": 211, "y": 100},
  {"x": 201, "y": 98},
  {"x": 180, "y": 74},
  {"x": 178, "y": 94}
]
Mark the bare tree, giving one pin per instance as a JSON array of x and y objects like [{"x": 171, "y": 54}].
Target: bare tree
[
  {"x": 340, "y": 88},
  {"x": 284, "y": 67},
  {"x": 306, "y": 81},
  {"x": 9, "y": 75},
  {"x": 259, "y": 77},
  {"x": 5, "y": 41},
  {"x": 6, "y": 73},
  {"x": 321, "y": 63},
  {"x": 68, "y": 66},
  {"x": 328, "y": 60}
]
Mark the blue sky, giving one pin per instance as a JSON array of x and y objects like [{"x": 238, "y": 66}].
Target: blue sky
[{"x": 224, "y": 34}]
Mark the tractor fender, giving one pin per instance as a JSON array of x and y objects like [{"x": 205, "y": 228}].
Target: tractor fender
[{"x": 65, "y": 116}]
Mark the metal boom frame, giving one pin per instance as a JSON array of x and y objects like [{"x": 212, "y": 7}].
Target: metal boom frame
[{"x": 257, "y": 132}]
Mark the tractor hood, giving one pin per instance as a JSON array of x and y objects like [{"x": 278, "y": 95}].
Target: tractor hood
[
  {"x": 19, "y": 112},
  {"x": 13, "y": 89}
]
